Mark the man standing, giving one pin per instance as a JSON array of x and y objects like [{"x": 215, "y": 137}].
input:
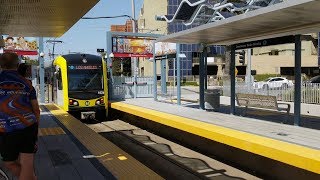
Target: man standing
[{"x": 19, "y": 119}]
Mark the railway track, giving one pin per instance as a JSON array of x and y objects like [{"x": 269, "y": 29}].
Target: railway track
[{"x": 168, "y": 159}]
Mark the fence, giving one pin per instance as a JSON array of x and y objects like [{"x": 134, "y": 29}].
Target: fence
[
  {"x": 310, "y": 92},
  {"x": 123, "y": 87}
]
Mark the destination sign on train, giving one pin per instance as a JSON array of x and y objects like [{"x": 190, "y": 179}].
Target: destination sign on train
[{"x": 83, "y": 67}]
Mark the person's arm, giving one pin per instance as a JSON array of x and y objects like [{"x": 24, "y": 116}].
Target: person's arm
[
  {"x": 36, "y": 109},
  {"x": 35, "y": 104}
]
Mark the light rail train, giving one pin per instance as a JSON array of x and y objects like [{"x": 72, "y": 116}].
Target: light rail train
[{"x": 79, "y": 81}]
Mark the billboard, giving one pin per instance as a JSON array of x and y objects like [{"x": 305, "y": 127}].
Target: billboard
[
  {"x": 132, "y": 47},
  {"x": 21, "y": 45},
  {"x": 164, "y": 48}
]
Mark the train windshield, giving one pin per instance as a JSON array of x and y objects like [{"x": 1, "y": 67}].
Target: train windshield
[{"x": 84, "y": 78}]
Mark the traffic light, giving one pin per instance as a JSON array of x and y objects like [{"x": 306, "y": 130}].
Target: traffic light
[{"x": 242, "y": 57}]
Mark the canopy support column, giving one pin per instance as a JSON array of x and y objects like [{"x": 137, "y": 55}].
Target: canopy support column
[
  {"x": 233, "y": 80},
  {"x": 178, "y": 58},
  {"x": 203, "y": 57},
  {"x": 297, "y": 84},
  {"x": 41, "y": 71},
  {"x": 163, "y": 76},
  {"x": 155, "y": 78}
]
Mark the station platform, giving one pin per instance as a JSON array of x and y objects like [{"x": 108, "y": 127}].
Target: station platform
[
  {"x": 295, "y": 147},
  {"x": 68, "y": 149}
]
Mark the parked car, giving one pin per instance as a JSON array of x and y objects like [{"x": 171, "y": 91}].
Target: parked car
[
  {"x": 273, "y": 82},
  {"x": 315, "y": 79}
]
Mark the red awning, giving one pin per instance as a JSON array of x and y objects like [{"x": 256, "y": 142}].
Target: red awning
[{"x": 23, "y": 53}]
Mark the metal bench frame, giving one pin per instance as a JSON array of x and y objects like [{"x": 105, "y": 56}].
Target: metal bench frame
[{"x": 261, "y": 101}]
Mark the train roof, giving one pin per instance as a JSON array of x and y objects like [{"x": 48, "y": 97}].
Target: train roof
[{"x": 78, "y": 58}]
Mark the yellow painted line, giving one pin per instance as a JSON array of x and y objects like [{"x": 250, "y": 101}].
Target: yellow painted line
[
  {"x": 117, "y": 161},
  {"x": 292, "y": 154}
]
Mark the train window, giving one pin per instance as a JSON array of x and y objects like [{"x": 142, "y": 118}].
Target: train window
[{"x": 59, "y": 79}]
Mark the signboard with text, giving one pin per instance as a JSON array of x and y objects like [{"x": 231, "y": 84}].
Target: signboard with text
[
  {"x": 164, "y": 48},
  {"x": 21, "y": 45},
  {"x": 265, "y": 42},
  {"x": 132, "y": 47}
]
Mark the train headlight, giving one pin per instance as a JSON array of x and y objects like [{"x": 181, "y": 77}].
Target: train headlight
[
  {"x": 100, "y": 101},
  {"x": 73, "y": 102}
]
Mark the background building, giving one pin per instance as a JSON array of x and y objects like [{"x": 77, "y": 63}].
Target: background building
[
  {"x": 190, "y": 65},
  {"x": 123, "y": 28},
  {"x": 148, "y": 24}
]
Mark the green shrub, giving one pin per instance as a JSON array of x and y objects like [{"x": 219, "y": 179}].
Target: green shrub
[{"x": 189, "y": 83}]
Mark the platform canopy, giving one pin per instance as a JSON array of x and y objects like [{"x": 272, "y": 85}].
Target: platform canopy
[
  {"x": 46, "y": 18},
  {"x": 287, "y": 18}
]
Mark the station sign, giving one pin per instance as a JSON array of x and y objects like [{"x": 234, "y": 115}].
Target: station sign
[{"x": 265, "y": 42}]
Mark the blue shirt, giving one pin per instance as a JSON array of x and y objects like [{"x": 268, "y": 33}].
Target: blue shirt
[{"x": 16, "y": 93}]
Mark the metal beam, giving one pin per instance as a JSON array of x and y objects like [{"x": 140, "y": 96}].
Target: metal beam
[
  {"x": 233, "y": 80},
  {"x": 203, "y": 56},
  {"x": 178, "y": 75},
  {"x": 109, "y": 64},
  {"x": 41, "y": 71},
  {"x": 206, "y": 70},
  {"x": 155, "y": 78},
  {"x": 163, "y": 76},
  {"x": 297, "y": 84}
]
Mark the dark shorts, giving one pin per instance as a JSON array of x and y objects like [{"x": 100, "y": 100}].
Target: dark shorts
[{"x": 22, "y": 141}]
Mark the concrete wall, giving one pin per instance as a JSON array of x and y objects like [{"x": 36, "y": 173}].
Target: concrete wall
[{"x": 148, "y": 24}]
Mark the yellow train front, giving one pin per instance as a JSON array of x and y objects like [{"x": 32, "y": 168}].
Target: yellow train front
[{"x": 79, "y": 84}]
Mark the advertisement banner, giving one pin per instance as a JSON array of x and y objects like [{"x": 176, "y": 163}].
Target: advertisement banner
[
  {"x": 164, "y": 48},
  {"x": 132, "y": 47},
  {"x": 21, "y": 45}
]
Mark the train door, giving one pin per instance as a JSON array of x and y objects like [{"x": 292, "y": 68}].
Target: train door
[{"x": 59, "y": 87}]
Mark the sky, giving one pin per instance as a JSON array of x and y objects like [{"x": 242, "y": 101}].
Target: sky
[{"x": 88, "y": 35}]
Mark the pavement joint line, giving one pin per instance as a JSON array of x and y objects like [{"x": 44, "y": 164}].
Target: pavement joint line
[
  {"x": 169, "y": 154},
  {"x": 205, "y": 170},
  {"x": 212, "y": 175},
  {"x": 149, "y": 143}
]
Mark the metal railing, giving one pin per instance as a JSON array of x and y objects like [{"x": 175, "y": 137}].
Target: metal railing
[
  {"x": 310, "y": 92},
  {"x": 122, "y": 87}
]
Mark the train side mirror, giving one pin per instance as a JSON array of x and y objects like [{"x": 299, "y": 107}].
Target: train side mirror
[
  {"x": 57, "y": 73},
  {"x": 254, "y": 72}
]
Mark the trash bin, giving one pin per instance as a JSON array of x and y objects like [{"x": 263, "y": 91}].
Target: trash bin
[{"x": 212, "y": 99}]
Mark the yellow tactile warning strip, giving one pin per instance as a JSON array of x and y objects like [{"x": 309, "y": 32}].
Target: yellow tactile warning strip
[
  {"x": 51, "y": 131},
  {"x": 118, "y": 162},
  {"x": 292, "y": 154}
]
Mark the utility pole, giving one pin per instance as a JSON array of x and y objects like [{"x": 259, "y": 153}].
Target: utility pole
[{"x": 53, "y": 42}]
